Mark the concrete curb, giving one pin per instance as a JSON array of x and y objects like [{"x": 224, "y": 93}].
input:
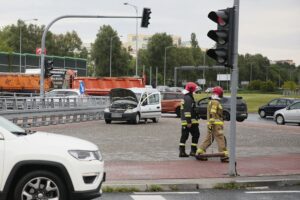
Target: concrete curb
[{"x": 196, "y": 184}]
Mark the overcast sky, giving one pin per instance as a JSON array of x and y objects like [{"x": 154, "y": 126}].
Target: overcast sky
[{"x": 269, "y": 27}]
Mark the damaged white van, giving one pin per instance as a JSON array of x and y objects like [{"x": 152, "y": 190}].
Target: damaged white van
[{"x": 133, "y": 105}]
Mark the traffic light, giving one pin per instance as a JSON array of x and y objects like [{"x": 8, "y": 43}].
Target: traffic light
[
  {"x": 146, "y": 17},
  {"x": 48, "y": 64},
  {"x": 223, "y": 36}
]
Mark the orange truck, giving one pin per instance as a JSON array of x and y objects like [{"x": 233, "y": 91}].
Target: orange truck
[
  {"x": 100, "y": 86},
  {"x": 23, "y": 83}
]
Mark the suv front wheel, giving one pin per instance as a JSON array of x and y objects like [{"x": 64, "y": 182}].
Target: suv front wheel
[
  {"x": 40, "y": 185},
  {"x": 262, "y": 113},
  {"x": 279, "y": 119}
]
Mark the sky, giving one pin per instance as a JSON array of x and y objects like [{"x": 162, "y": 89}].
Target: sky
[{"x": 268, "y": 27}]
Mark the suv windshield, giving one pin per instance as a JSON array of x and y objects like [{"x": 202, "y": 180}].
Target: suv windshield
[{"x": 8, "y": 125}]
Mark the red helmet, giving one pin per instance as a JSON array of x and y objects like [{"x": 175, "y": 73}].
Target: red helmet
[
  {"x": 218, "y": 91},
  {"x": 191, "y": 87}
]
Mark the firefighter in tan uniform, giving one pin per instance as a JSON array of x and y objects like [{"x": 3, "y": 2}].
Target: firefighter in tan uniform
[
  {"x": 189, "y": 121},
  {"x": 215, "y": 125}
]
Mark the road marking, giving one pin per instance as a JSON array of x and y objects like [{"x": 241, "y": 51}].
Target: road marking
[
  {"x": 147, "y": 197},
  {"x": 162, "y": 193},
  {"x": 272, "y": 192}
]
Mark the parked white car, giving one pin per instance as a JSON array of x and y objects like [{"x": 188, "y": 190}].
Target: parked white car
[
  {"x": 69, "y": 93},
  {"x": 290, "y": 114},
  {"x": 133, "y": 104},
  {"x": 40, "y": 165}
]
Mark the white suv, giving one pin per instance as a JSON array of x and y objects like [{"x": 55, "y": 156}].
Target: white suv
[{"x": 45, "y": 166}]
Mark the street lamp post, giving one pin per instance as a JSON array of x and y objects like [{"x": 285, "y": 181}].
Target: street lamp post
[
  {"x": 110, "y": 54},
  {"x": 136, "y": 39},
  {"x": 21, "y": 41},
  {"x": 165, "y": 62}
]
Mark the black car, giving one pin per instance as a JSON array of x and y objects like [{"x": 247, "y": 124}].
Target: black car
[
  {"x": 276, "y": 104},
  {"x": 241, "y": 108}
]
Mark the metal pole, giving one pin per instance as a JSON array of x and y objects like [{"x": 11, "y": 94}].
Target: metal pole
[
  {"x": 175, "y": 76},
  {"x": 21, "y": 41},
  {"x": 165, "y": 63},
  {"x": 44, "y": 39},
  {"x": 251, "y": 72},
  {"x": 234, "y": 79},
  {"x": 165, "y": 66},
  {"x": 156, "y": 70},
  {"x": 136, "y": 33},
  {"x": 150, "y": 82},
  {"x": 20, "y": 48},
  {"x": 136, "y": 44}
]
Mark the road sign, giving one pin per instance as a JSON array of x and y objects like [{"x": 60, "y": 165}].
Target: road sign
[{"x": 38, "y": 51}]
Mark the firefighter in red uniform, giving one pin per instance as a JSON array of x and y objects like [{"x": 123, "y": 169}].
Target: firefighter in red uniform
[
  {"x": 189, "y": 122},
  {"x": 215, "y": 125}
]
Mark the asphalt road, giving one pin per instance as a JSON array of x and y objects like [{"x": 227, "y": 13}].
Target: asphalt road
[
  {"x": 291, "y": 193},
  {"x": 159, "y": 141}
]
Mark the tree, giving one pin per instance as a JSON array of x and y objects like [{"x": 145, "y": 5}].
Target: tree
[
  {"x": 290, "y": 85},
  {"x": 194, "y": 41},
  {"x": 156, "y": 49},
  {"x": 68, "y": 44},
  {"x": 101, "y": 53}
]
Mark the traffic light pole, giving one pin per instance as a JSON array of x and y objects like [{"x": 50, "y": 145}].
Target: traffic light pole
[
  {"x": 42, "y": 92},
  {"x": 234, "y": 84}
]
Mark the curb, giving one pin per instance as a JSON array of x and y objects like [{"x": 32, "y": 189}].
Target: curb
[{"x": 196, "y": 184}]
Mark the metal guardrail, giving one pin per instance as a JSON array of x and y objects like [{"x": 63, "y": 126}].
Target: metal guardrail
[{"x": 37, "y": 111}]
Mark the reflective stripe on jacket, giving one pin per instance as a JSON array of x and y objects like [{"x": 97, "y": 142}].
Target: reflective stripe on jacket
[
  {"x": 188, "y": 114},
  {"x": 215, "y": 112}
]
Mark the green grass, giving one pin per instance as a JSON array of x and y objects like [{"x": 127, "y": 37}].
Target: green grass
[
  {"x": 231, "y": 186},
  {"x": 253, "y": 100},
  {"x": 108, "y": 189}
]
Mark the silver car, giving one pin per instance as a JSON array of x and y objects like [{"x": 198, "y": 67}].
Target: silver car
[{"x": 290, "y": 114}]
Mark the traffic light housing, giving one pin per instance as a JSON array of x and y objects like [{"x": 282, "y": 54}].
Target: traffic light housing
[
  {"x": 223, "y": 36},
  {"x": 146, "y": 17},
  {"x": 48, "y": 64}
]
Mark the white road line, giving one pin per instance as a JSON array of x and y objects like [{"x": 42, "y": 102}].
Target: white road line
[
  {"x": 147, "y": 197},
  {"x": 272, "y": 192},
  {"x": 162, "y": 193}
]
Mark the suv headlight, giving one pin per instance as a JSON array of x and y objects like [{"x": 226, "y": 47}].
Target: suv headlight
[{"x": 86, "y": 155}]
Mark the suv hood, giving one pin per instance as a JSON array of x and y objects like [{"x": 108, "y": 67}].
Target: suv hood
[
  {"x": 122, "y": 94},
  {"x": 51, "y": 140}
]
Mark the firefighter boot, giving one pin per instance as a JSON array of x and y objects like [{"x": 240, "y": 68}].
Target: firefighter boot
[
  {"x": 193, "y": 150},
  {"x": 198, "y": 154},
  {"x": 226, "y": 158},
  {"x": 182, "y": 153}
]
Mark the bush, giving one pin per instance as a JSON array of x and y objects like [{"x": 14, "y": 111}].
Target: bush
[
  {"x": 289, "y": 85},
  {"x": 267, "y": 86},
  {"x": 255, "y": 85}
]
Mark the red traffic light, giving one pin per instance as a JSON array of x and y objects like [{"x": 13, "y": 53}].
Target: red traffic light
[{"x": 220, "y": 17}]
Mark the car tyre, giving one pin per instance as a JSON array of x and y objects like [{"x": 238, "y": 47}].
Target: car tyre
[
  {"x": 40, "y": 185},
  {"x": 280, "y": 120},
  {"x": 107, "y": 121},
  {"x": 155, "y": 120},
  {"x": 137, "y": 119},
  {"x": 262, "y": 113},
  {"x": 226, "y": 116},
  {"x": 177, "y": 112},
  {"x": 240, "y": 119}
]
